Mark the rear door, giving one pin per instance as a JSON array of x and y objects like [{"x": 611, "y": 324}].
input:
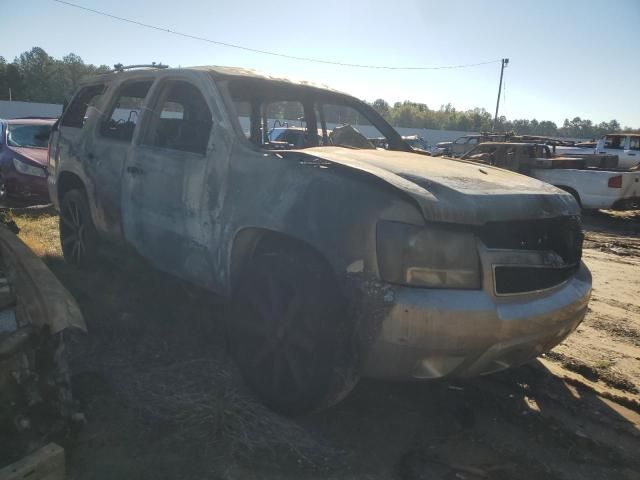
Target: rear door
[
  {"x": 166, "y": 187},
  {"x": 107, "y": 150},
  {"x": 69, "y": 138}
]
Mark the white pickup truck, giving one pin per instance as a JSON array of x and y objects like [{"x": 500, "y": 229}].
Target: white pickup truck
[
  {"x": 593, "y": 187},
  {"x": 625, "y": 145}
]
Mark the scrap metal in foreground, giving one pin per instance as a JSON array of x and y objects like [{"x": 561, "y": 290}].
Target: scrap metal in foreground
[{"x": 35, "y": 311}]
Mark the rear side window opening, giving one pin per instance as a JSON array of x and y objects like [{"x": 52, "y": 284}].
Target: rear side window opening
[
  {"x": 180, "y": 119},
  {"x": 76, "y": 113}
]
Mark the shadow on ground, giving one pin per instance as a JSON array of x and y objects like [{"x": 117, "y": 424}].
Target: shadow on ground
[{"x": 162, "y": 401}]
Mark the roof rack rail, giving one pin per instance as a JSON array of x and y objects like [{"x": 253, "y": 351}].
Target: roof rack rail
[
  {"x": 118, "y": 67},
  {"x": 33, "y": 117}
]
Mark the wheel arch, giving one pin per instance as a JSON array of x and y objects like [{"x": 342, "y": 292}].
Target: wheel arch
[
  {"x": 249, "y": 239},
  {"x": 69, "y": 181},
  {"x": 572, "y": 191}
]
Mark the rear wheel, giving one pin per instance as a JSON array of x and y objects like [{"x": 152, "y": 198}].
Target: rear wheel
[
  {"x": 288, "y": 332},
  {"x": 78, "y": 235}
]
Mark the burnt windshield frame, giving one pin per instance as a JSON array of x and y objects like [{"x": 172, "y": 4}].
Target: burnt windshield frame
[{"x": 257, "y": 91}]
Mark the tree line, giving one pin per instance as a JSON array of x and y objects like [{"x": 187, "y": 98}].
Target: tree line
[
  {"x": 35, "y": 76},
  {"x": 418, "y": 115}
]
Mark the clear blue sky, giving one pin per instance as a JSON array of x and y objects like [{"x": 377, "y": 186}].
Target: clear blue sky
[{"x": 567, "y": 58}]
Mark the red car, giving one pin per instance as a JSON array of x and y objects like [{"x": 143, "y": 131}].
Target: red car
[{"x": 23, "y": 159}]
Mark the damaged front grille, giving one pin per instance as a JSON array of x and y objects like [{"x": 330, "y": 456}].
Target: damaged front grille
[
  {"x": 520, "y": 279},
  {"x": 562, "y": 236}
]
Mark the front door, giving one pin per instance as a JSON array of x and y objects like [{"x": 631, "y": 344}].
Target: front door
[
  {"x": 458, "y": 146},
  {"x": 165, "y": 196}
]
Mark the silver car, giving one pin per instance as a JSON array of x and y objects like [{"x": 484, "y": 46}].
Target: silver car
[{"x": 338, "y": 260}]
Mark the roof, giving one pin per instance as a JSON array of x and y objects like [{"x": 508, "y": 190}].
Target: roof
[
  {"x": 624, "y": 134},
  {"x": 221, "y": 72}
]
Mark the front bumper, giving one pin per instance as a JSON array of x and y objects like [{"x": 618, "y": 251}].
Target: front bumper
[
  {"x": 428, "y": 334},
  {"x": 22, "y": 187}
]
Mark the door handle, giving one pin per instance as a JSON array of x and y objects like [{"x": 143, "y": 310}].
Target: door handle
[{"x": 135, "y": 170}]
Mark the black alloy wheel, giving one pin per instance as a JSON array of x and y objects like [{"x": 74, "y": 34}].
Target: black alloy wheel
[
  {"x": 77, "y": 232},
  {"x": 288, "y": 334}
]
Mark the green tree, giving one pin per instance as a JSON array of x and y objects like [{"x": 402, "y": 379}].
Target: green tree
[{"x": 41, "y": 75}]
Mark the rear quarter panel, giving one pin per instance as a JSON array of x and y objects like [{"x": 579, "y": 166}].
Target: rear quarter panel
[{"x": 592, "y": 185}]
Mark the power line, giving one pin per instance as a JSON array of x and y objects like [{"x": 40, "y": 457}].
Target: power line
[{"x": 267, "y": 52}]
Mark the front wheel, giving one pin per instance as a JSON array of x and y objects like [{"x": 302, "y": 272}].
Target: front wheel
[
  {"x": 78, "y": 235},
  {"x": 289, "y": 334}
]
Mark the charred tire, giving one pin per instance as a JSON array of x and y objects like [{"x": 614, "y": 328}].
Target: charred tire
[
  {"x": 78, "y": 236},
  {"x": 288, "y": 333}
]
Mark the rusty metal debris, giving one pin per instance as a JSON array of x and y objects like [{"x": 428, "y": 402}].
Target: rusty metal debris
[{"x": 36, "y": 311}]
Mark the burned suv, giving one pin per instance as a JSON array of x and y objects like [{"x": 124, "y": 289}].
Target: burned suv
[{"x": 338, "y": 260}]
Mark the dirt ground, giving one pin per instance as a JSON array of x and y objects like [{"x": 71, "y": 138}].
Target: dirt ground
[{"x": 162, "y": 401}]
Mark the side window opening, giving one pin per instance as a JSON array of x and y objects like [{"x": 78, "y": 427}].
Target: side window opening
[
  {"x": 614, "y": 141},
  {"x": 181, "y": 119},
  {"x": 76, "y": 113},
  {"x": 284, "y": 125},
  {"x": 345, "y": 126},
  {"x": 125, "y": 112}
]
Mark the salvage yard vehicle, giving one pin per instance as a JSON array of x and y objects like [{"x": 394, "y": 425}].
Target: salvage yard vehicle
[
  {"x": 339, "y": 260},
  {"x": 592, "y": 186},
  {"x": 625, "y": 145},
  {"x": 465, "y": 143},
  {"x": 417, "y": 142},
  {"x": 23, "y": 158}
]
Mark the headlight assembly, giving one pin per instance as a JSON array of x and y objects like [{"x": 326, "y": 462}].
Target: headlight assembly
[
  {"x": 427, "y": 256},
  {"x": 27, "y": 169}
]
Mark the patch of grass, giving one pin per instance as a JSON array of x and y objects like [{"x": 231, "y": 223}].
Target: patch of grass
[
  {"x": 603, "y": 364},
  {"x": 40, "y": 232}
]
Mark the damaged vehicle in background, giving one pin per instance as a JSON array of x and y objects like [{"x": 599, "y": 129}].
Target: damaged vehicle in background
[
  {"x": 417, "y": 143},
  {"x": 465, "y": 143},
  {"x": 625, "y": 145},
  {"x": 339, "y": 260},
  {"x": 595, "y": 181},
  {"x": 23, "y": 158}
]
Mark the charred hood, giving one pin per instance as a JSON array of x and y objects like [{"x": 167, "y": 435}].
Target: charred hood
[{"x": 455, "y": 191}]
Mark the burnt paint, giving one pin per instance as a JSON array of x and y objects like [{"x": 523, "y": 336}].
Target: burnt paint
[{"x": 186, "y": 219}]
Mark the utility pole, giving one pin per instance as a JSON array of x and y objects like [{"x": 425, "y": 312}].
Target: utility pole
[{"x": 505, "y": 62}]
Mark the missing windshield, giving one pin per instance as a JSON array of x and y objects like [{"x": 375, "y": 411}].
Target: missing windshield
[{"x": 286, "y": 117}]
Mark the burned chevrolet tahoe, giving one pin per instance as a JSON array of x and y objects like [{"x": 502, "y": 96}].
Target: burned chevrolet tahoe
[{"x": 339, "y": 259}]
